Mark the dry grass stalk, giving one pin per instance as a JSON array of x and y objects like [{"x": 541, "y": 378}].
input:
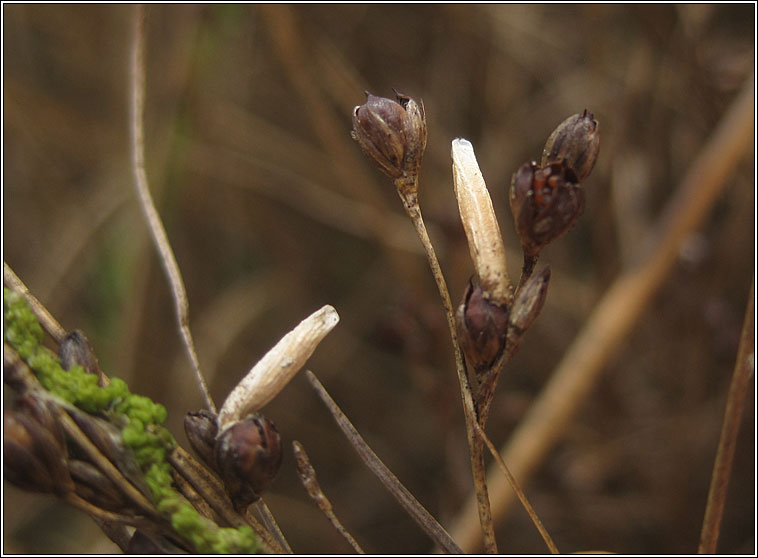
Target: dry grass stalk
[{"x": 744, "y": 370}]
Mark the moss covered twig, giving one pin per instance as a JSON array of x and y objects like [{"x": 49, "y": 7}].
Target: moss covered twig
[{"x": 81, "y": 411}]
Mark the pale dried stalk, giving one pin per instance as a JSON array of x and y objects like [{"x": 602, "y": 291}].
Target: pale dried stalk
[
  {"x": 277, "y": 367},
  {"x": 744, "y": 369},
  {"x": 307, "y": 475},
  {"x": 616, "y": 313},
  {"x": 157, "y": 231},
  {"x": 414, "y": 508},
  {"x": 480, "y": 223}
]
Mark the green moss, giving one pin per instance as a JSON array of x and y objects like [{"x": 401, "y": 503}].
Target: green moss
[{"x": 143, "y": 432}]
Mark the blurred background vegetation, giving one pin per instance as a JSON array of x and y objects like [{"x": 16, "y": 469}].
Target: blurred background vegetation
[{"x": 273, "y": 211}]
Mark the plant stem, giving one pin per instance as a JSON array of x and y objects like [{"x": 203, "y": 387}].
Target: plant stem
[
  {"x": 735, "y": 406},
  {"x": 409, "y": 197},
  {"x": 520, "y": 493},
  {"x": 307, "y": 475},
  {"x": 157, "y": 231},
  {"x": 414, "y": 508}
]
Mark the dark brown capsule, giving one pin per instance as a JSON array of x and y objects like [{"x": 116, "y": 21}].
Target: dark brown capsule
[
  {"x": 392, "y": 133},
  {"x": 75, "y": 350},
  {"x": 576, "y": 141},
  {"x": 546, "y": 203},
  {"x": 93, "y": 486},
  {"x": 248, "y": 456},
  {"x": 201, "y": 429},
  {"x": 32, "y": 457},
  {"x": 482, "y": 327},
  {"x": 527, "y": 305}
]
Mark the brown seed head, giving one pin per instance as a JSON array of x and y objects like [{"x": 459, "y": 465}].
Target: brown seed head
[
  {"x": 577, "y": 142},
  {"x": 392, "y": 134},
  {"x": 248, "y": 456},
  {"x": 482, "y": 327},
  {"x": 546, "y": 203},
  {"x": 33, "y": 458},
  {"x": 201, "y": 429}
]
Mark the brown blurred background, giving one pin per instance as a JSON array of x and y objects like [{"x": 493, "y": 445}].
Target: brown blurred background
[{"x": 273, "y": 211}]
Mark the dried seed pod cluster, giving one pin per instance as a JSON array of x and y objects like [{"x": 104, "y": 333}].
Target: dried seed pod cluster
[
  {"x": 240, "y": 444},
  {"x": 34, "y": 452},
  {"x": 547, "y": 199}
]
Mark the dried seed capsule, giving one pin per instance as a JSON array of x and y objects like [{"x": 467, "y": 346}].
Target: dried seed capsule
[
  {"x": 546, "y": 203},
  {"x": 248, "y": 455},
  {"x": 75, "y": 350},
  {"x": 277, "y": 367},
  {"x": 526, "y": 307},
  {"x": 482, "y": 327},
  {"x": 392, "y": 134},
  {"x": 480, "y": 224},
  {"x": 108, "y": 439},
  {"x": 201, "y": 429},
  {"x": 95, "y": 487},
  {"x": 577, "y": 142},
  {"x": 33, "y": 458},
  {"x": 42, "y": 412}
]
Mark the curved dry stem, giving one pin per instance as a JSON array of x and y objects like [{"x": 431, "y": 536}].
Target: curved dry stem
[
  {"x": 617, "y": 312},
  {"x": 735, "y": 406},
  {"x": 157, "y": 231}
]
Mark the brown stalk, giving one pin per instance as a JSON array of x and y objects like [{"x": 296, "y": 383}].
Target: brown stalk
[
  {"x": 269, "y": 522},
  {"x": 735, "y": 407},
  {"x": 307, "y": 475},
  {"x": 476, "y": 450},
  {"x": 617, "y": 312},
  {"x": 517, "y": 489},
  {"x": 419, "y": 514},
  {"x": 213, "y": 492}
]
